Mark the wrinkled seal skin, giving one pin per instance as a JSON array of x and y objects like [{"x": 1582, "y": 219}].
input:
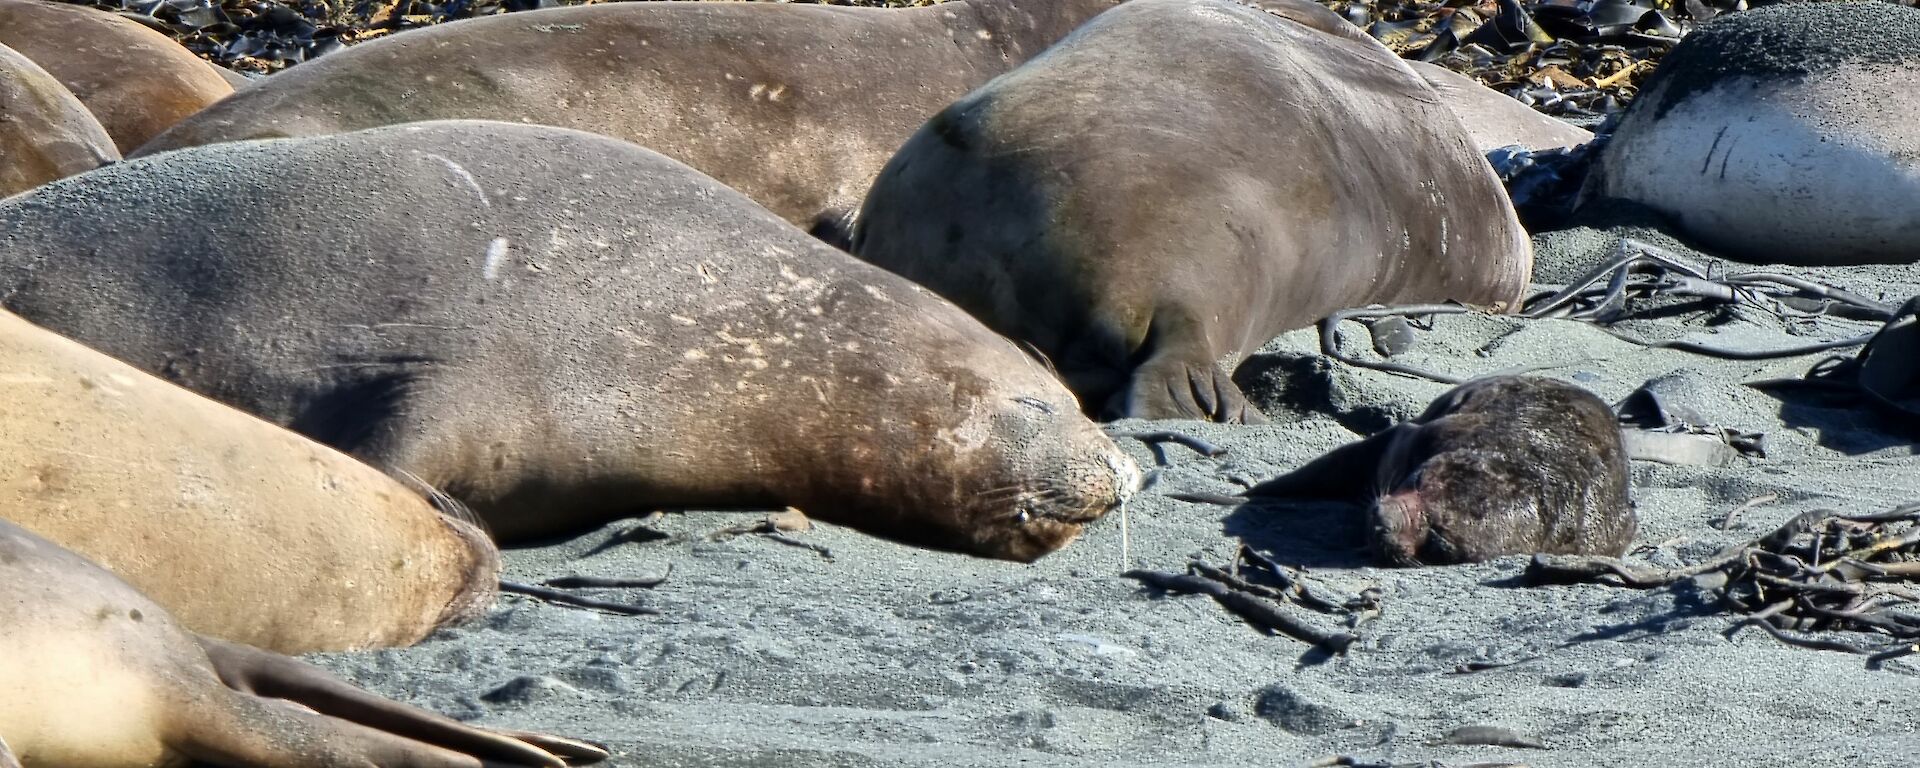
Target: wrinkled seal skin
[
  {"x": 1789, "y": 134},
  {"x": 98, "y": 676},
  {"x": 1497, "y": 466},
  {"x": 134, "y": 79},
  {"x": 47, "y": 134},
  {"x": 795, "y": 105},
  {"x": 559, "y": 329},
  {"x": 1494, "y": 119},
  {"x": 245, "y": 531},
  {"x": 1179, "y": 181}
]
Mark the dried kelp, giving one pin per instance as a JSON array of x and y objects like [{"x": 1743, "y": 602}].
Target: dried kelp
[{"x": 1269, "y": 608}]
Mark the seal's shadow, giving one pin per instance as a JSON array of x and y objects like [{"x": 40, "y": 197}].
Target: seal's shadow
[
  {"x": 1843, "y": 421},
  {"x": 1311, "y": 534}
]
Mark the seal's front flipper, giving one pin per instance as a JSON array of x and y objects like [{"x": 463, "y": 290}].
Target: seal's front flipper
[
  {"x": 1346, "y": 472},
  {"x": 250, "y": 670},
  {"x": 1169, "y": 387},
  {"x": 7, "y": 760}
]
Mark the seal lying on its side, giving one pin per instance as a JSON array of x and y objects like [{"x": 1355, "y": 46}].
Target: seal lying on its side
[
  {"x": 1786, "y": 134},
  {"x": 95, "y": 674},
  {"x": 1494, "y": 119},
  {"x": 560, "y": 328},
  {"x": 45, "y": 133},
  {"x": 245, "y": 531},
  {"x": 1497, "y": 466},
  {"x": 1180, "y": 181},
  {"x": 797, "y": 106},
  {"x": 134, "y": 79}
]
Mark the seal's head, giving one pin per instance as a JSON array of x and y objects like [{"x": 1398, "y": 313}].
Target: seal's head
[
  {"x": 1457, "y": 506},
  {"x": 1051, "y": 473}
]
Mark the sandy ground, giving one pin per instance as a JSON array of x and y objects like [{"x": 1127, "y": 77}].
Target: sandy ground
[{"x": 772, "y": 655}]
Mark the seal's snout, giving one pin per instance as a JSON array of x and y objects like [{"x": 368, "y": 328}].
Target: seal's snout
[{"x": 1398, "y": 526}]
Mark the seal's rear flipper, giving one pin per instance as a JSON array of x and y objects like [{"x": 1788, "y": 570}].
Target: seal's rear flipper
[
  {"x": 1346, "y": 472},
  {"x": 377, "y": 725}
]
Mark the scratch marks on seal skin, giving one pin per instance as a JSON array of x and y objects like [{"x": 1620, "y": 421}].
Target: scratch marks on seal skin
[
  {"x": 466, "y": 177},
  {"x": 496, "y": 253}
]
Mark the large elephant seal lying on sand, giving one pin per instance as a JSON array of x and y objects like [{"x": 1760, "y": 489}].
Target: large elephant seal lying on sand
[
  {"x": 559, "y": 328},
  {"x": 797, "y": 106},
  {"x": 244, "y": 530},
  {"x": 1180, "y": 181},
  {"x": 1785, "y": 134},
  {"x": 95, "y": 674},
  {"x": 135, "y": 80},
  {"x": 45, "y": 133},
  {"x": 1498, "y": 466}
]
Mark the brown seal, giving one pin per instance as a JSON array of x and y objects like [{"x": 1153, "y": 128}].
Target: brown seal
[
  {"x": 1178, "y": 182},
  {"x": 1497, "y": 466},
  {"x": 96, "y": 674},
  {"x": 1494, "y": 119},
  {"x": 796, "y": 105},
  {"x": 244, "y": 530},
  {"x": 134, "y": 79},
  {"x": 47, "y": 133},
  {"x": 559, "y": 329}
]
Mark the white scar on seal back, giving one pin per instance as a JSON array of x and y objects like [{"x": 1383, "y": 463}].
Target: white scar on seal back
[
  {"x": 468, "y": 178},
  {"x": 496, "y": 252}
]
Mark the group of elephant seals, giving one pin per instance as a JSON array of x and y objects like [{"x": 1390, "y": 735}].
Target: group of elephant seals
[
  {"x": 134, "y": 79},
  {"x": 1494, "y": 119},
  {"x": 1180, "y": 181},
  {"x": 560, "y": 328},
  {"x": 795, "y": 105},
  {"x": 1784, "y": 134},
  {"x": 46, "y": 133},
  {"x": 245, "y": 531},
  {"x": 96, "y": 674},
  {"x": 1497, "y": 466}
]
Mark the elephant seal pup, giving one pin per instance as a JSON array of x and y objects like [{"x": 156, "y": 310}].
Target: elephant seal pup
[
  {"x": 1178, "y": 182},
  {"x": 1786, "y": 134},
  {"x": 1497, "y": 466},
  {"x": 797, "y": 105},
  {"x": 46, "y": 133},
  {"x": 1494, "y": 119},
  {"x": 134, "y": 79},
  {"x": 96, "y": 674},
  {"x": 245, "y": 531},
  {"x": 560, "y": 328}
]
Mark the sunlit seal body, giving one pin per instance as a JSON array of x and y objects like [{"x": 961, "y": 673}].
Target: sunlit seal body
[
  {"x": 47, "y": 133},
  {"x": 1786, "y": 134},
  {"x": 1494, "y": 119},
  {"x": 795, "y": 105},
  {"x": 135, "y": 80},
  {"x": 1179, "y": 181},
  {"x": 560, "y": 328},
  {"x": 98, "y": 676},
  {"x": 1497, "y": 466},
  {"x": 245, "y": 531}
]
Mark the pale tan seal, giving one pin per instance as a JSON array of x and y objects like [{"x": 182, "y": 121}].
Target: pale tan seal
[
  {"x": 242, "y": 529},
  {"x": 1494, "y": 119},
  {"x": 560, "y": 329},
  {"x": 46, "y": 133},
  {"x": 1178, "y": 182},
  {"x": 134, "y": 79},
  {"x": 1498, "y": 466},
  {"x": 1786, "y": 134},
  {"x": 96, "y": 675},
  {"x": 795, "y": 105}
]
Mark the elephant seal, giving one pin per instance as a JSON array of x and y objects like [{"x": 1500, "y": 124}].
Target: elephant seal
[
  {"x": 134, "y": 79},
  {"x": 795, "y": 105},
  {"x": 46, "y": 133},
  {"x": 96, "y": 674},
  {"x": 1784, "y": 134},
  {"x": 246, "y": 531},
  {"x": 559, "y": 328},
  {"x": 1494, "y": 119},
  {"x": 1180, "y": 181},
  {"x": 1497, "y": 466}
]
